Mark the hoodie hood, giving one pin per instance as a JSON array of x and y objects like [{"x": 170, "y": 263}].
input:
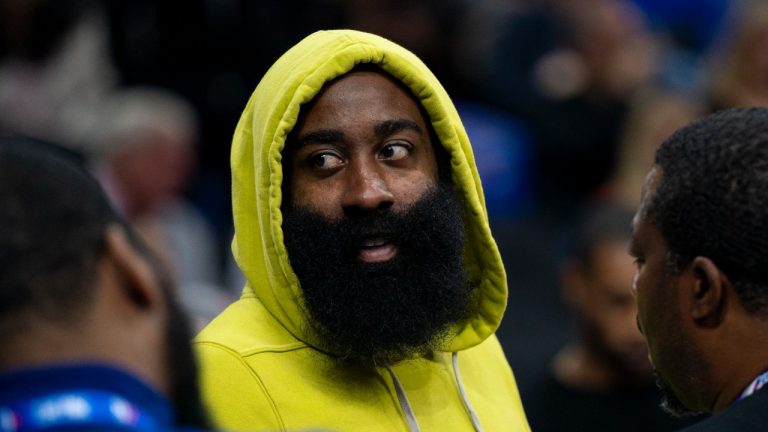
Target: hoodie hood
[{"x": 257, "y": 176}]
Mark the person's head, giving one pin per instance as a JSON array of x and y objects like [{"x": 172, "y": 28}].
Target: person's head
[
  {"x": 76, "y": 286},
  {"x": 370, "y": 225},
  {"x": 147, "y": 138},
  {"x": 702, "y": 253},
  {"x": 596, "y": 283},
  {"x": 612, "y": 44},
  {"x": 359, "y": 217}
]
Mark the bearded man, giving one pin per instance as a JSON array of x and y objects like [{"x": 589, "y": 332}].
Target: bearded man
[{"x": 374, "y": 285}]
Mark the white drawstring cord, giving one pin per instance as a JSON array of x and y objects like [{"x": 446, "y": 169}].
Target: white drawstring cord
[
  {"x": 413, "y": 426},
  {"x": 464, "y": 398}
]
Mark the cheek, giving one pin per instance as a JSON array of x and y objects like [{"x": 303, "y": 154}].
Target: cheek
[
  {"x": 408, "y": 187},
  {"x": 657, "y": 316},
  {"x": 321, "y": 197}
]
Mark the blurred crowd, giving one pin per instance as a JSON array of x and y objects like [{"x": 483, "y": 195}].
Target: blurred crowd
[{"x": 565, "y": 102}]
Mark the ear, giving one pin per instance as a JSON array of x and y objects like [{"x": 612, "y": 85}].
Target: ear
[
  {"x": 708, "y": 295},
  {"x": 138, "y": 280}
]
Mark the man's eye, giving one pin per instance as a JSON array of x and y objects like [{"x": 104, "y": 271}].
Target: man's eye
[
  {"x": 395, "y": 152},
  {"x": 325, "y": 161}
]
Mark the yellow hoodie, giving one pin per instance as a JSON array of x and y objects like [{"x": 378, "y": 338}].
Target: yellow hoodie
[{"x": 259, "y": 368}]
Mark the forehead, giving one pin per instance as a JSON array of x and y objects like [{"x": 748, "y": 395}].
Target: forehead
[
  {"x": 363, "y": 95},
  {"x": 647, "y": 193}
]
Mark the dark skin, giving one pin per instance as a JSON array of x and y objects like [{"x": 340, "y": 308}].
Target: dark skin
[
  {"x": 363, "y": 145},
  {"x": 702, "y": 341}
]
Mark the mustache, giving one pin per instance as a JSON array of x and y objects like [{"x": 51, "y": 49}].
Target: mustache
[
  {"x": 377, "y": 223},
  {"x": 403, "y": 228}
]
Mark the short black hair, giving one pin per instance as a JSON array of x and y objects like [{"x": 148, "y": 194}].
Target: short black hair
[
  {"x": 600, "y": 222},
  {"x": 712, "y": 198},
  {"x": 53, "y": 216}
]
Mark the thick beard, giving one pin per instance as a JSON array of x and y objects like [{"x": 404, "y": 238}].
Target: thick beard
[{"x": 381, "y": 313}]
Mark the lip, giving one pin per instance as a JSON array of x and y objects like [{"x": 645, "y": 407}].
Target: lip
[{"x": 377, "y": 250}]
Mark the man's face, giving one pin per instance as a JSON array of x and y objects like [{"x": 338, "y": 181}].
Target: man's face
[
  {"x": 609, "y": 310},
  {"x": 374, "y": 239},
  {"x": 364, "y": 144},
  {"x": 659, "y": 313}
]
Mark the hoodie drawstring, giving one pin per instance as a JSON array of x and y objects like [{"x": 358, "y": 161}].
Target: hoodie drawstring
[
  {"x": 464, "y": 398},
  {"x": 413, "y": 425}
]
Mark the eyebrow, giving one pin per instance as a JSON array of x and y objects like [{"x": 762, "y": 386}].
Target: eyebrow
[
  {"x": 382, "y": 129},
  {"x": 390, "y": 127},
  {"x": 323, "y": 136}
]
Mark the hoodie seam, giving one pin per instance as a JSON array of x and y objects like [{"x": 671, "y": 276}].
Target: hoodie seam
[
  {"x": 262, "y": 386},
  {"x": 255, "y": 351}
]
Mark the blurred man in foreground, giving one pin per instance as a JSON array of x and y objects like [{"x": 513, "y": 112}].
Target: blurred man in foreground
[
  {"x": 701, "y": 247},
  {"x": 92, "y": 337}
]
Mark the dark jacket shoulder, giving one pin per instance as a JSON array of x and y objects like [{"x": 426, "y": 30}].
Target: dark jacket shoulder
[{"x": 750, "y": 414}]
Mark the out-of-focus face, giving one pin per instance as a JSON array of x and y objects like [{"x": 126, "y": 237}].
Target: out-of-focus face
[
  {"x": 363, "y": 145},
  {"x": 659, "y": 316},
  {"x": 154, "y": 169},
  {"x": 609, "y": 309}
]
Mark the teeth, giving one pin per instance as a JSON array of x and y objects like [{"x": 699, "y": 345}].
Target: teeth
[{"x": 374, "y": 243}]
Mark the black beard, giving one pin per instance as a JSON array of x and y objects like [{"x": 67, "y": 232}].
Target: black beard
[{"x": 381, "y": 313}]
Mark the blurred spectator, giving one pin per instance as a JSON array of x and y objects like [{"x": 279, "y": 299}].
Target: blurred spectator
[
  {"x": 568, "y": 69},
  {"x": 92, "y": 336},
  {"x": 55, "y": 68},
  {"x": 603, "y": 380},
  {"x": 653, "y": 115},
  {"x": 740, "y": 77},
  {"x": 147, "y": 143}
]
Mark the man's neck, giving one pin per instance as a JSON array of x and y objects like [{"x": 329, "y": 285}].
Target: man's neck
[
  {"x": 739, "y": 386},
  {"x": 739, "y": 361}
]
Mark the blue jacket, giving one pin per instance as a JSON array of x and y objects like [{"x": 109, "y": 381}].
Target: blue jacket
[{"x": 80, "y": 398}]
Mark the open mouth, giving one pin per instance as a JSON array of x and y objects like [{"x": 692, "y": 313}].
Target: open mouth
[{"x": 377, "y": 249}]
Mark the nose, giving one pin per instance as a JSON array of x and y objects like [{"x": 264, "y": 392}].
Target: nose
[{"x": 366, "y": 190}]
